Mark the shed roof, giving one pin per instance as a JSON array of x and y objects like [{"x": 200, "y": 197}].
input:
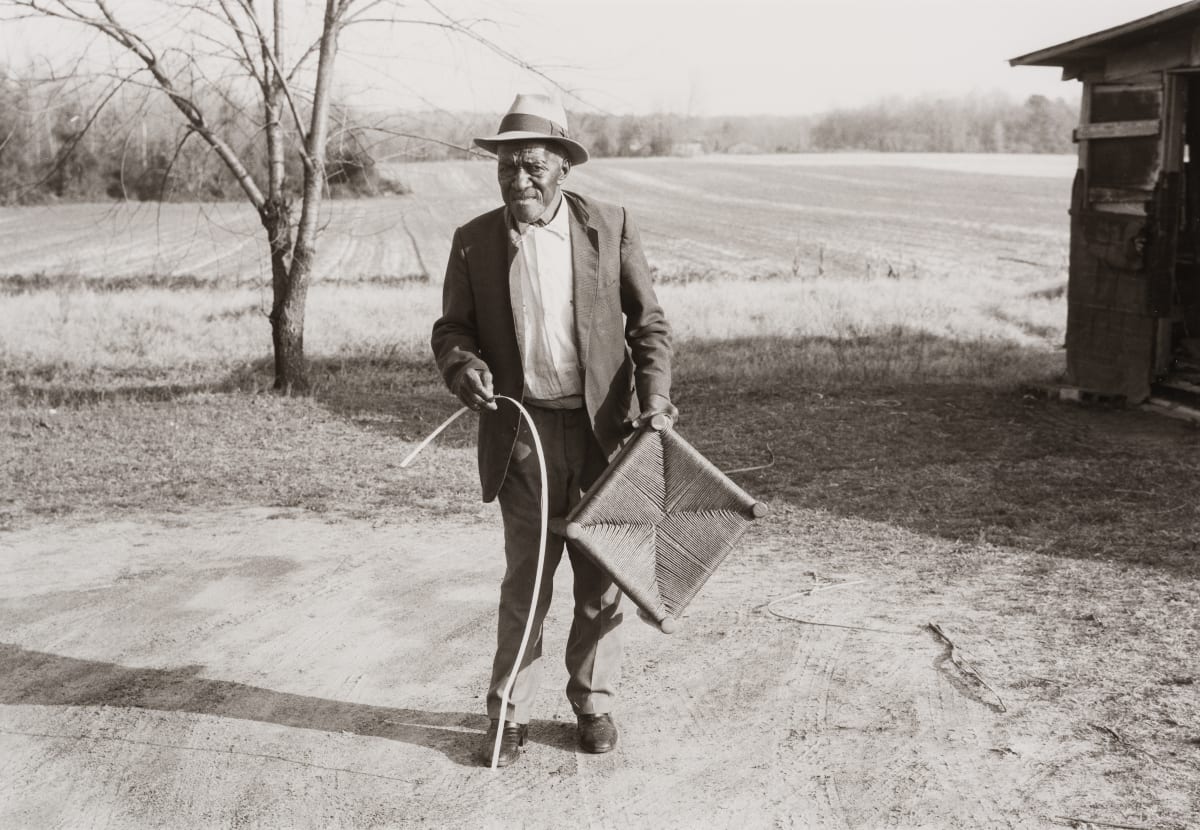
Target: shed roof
[{"x": 1096, "y": 45}]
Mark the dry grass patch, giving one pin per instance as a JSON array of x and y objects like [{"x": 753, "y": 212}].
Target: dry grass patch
[
  {"x": 63, "y": 344},
  {"x": 972, "y": 461},
  {"x": 208, "y": 450}
]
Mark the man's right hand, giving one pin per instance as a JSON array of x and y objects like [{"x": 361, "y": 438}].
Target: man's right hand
[{"x": 474, "y": 389}]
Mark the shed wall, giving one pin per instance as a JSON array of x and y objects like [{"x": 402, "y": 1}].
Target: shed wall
[{"x": 1124, "y": 211}]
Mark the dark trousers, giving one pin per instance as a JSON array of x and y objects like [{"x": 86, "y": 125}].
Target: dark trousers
[{"x": 593, "y": 656}]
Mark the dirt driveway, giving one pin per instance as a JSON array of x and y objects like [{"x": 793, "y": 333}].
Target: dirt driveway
[{"x": 253, "y": 667}]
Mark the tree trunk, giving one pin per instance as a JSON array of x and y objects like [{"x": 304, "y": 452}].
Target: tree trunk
[
  {"x": 287, "y": 318},
  {"x": 289, "y": 282},
  {"x": 287, "y": 332},
  {"x": 291, "y": 278}
]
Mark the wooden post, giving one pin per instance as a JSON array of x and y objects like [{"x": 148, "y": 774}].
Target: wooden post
[
  {"x": 1085, "y": 114},
  {"x": 1168, "y": 203}
]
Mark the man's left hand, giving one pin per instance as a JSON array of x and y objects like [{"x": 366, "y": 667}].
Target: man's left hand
[{"x": 657, "y": 405}]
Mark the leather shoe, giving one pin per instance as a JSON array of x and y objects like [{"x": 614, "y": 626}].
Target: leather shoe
[
  {"x": 510, "y": 743},
  {"x": 597, "y": 733}
]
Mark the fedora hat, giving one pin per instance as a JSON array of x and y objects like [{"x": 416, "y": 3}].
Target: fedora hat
[{"x": 534, "y": 117}]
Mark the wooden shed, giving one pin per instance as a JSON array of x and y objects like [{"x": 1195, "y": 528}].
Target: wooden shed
[{"x": 1133, "y": 319}]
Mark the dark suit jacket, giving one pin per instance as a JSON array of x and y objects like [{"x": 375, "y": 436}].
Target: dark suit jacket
[{"x": 618, "y": 357}]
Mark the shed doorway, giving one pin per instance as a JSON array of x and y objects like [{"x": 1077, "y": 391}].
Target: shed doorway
[{"x": 1182, "y": 376}]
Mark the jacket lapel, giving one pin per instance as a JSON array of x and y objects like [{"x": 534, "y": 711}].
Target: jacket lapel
[{"x": 585, "y": 261}]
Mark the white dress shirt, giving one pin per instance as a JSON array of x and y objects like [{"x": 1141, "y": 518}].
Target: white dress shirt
[{"x": 547, "y": 276}]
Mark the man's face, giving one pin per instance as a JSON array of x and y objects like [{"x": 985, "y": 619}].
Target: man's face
[{"x": 529, "y": 173}]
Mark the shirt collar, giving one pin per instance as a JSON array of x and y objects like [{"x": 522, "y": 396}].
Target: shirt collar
[{"x": 557, "y": 223}]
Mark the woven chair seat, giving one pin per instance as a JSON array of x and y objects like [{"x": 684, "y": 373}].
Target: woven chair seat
[{"x": 659, "y": 521}]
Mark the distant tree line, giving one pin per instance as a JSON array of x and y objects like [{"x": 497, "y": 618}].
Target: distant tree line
[
  {"x": 74, "y": 142},
  {"x": 82, "y": 142},
  {"x": 974, "y": 124},
  {"x": 969, "y": 124}
]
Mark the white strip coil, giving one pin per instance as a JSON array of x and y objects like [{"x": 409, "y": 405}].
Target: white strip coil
[{"x": 537, "y": 579}]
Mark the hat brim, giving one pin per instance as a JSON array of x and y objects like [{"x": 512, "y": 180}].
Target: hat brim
[{"x": 576, "y": 152}]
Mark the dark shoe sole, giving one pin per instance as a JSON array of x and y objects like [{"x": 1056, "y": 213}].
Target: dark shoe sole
[
  {"x": 490, "y": 745},
  {"x": 598, "y": 748},
  {"x": 503, "y": 762}
]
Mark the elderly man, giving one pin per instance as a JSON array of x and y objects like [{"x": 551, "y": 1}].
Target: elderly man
[{"x": 548, "y": 300}]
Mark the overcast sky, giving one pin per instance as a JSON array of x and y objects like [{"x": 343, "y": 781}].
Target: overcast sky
[{"x": 692, "y": 56}]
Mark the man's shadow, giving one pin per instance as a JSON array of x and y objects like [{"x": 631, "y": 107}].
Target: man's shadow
[{"x": 43, "y": 679}]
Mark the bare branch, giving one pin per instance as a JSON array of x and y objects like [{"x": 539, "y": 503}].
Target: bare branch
[
  {"x": 220, "y": 85},
  {"x": 278, "y": 76},
  {"x": 308, "y": 52},
  {"x": 467, "y": 29},
  {"x": 362, "y": 10},
  {"x": 134, "y": 43},
  {"x": 67, "y": 149},
  {"x": 246, "y": 59},
  {"x": 314, "y": 175},
  {"x": 121, "y": 166},
  {"x": 224, "y": 51},
  {"x": 475, "y": 151},
  {"x": 166, "y": 179},
  {"x": 516, "y": 60},
  {"x": 70, "y": 74},
  {"x": 7, "y": 139}
]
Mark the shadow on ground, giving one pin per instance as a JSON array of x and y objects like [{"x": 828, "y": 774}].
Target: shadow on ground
[
  {"x": 397, "y": 394},
  {"x": 965, "y": 461},
  {"x": 846, "y": 428},
  {"x": 880, "y": 427},
  {"x": 42, "y": 679}
]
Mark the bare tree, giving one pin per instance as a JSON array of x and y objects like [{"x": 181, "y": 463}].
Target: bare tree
[
  {"x": 233, "y": 42},
  {"x": 257, "y": 49}
]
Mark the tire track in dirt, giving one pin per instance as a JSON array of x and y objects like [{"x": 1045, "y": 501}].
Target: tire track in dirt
[
  {"x": 71, "y": 610},
  {"x": 862, "y": 727},
  {"x": 238, "y": 253},
  {"x": 940, "y": 240},
  {"x": 733, "y": 677},
  {"x": 336, "y": 259},
  {"x": 318, "y": 586},
  {"x": 37, "y": 248},
  {"x": 640, "y": 182}
]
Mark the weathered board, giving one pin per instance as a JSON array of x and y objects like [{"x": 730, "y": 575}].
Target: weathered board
[
  {"x": 1112, "y": 103},
  {"x": 1170, "y": 51},
  {"x": 1118, "y": 129},
  {"x": 1111, "y": 321}
]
